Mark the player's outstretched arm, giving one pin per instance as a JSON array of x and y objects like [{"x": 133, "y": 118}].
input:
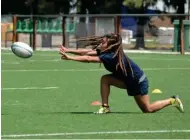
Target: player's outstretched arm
[
  {"x": 79, "y": 51},
  {"x": 85, "y": 58}
]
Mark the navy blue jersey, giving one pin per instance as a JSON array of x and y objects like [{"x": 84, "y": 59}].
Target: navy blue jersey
[{"x": 134, "y": 73}]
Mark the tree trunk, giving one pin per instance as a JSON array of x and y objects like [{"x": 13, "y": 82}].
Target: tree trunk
[
  {"x": 63, "y": 32},
  {"x": 140, "y": 43},
  {"x": 35, "y": 12},
  {"x": 181, "y": 36},
  {"x": 181, "y": 10},
  {"x": 140, "y": 37}
]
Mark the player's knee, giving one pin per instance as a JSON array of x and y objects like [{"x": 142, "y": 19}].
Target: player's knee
[
  {"x": 105, "y": 79},
  {"x": 147, "y": 109}
]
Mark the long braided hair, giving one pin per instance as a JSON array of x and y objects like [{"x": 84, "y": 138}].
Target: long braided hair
[{"x": 114, "y": 45}]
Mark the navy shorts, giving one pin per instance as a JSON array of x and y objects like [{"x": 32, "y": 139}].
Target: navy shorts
[{"x": 136, "y": 87}]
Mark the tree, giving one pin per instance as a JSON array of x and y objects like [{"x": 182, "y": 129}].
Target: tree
[
  {"x": 14, "y": 7},
  {"x": 180, "y": 9},
  {"x": 141, "y": 6},
  {"x": 43, "y": 6},
  {"x": 50, "y": 6},
  {"x": 99, "y": 6}
]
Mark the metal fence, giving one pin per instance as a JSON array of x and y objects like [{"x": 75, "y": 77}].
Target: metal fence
[{"x": 139, "y": 31}]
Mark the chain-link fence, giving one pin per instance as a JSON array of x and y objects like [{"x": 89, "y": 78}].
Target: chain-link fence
[{"x": 150, "y": 32}]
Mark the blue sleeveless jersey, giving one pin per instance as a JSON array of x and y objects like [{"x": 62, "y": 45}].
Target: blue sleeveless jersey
[{"x": 134, "y": 73}]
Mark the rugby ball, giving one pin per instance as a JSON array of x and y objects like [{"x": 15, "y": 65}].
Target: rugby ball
[{"x": 22, "y": 49}]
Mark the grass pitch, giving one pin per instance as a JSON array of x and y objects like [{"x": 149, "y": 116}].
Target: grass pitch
[{"x": 46, "y": 97}]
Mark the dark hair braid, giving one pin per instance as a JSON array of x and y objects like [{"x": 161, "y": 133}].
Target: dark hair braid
[
  {"x": 93, "y": 41},
  {"x": 114, "y": 45}
]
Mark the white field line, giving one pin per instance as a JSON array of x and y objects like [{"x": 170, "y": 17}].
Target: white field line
[
  {"x": 96, "y": 133},
  {"x": 154, "y": 69},
  {"x": 14, "y": 104},
  {"x": 54, "y": 70},
  {"x": 30, "y": 88},
  {"x": 59, "y": 60},
  {"x": 52, "y": 60},
  {"x": 29, "y": 60},
  {"x": 9, "y": 53},
  {"x": 10, "y": 62},
  {"x": 126, "y": 51},
  {"x": 84, "y": 70},
  {"x": 152, "y": 52},
  {"x": 159, "y": 59},
  {"x": 17, "y": 103}
]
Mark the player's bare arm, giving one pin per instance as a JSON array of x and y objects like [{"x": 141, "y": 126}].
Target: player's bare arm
[
  {"x": 85, "y": 58},
  {"x": 90, "y": 52}
]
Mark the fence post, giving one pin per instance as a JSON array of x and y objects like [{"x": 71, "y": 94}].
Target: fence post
[
  {"x": 176, "y": 35},
  {"x": 186, "y": 33},
  {"x": 14, "y": 28},
  {"x": 31, "y": 34},
  {"x": 63, "y": 31},
  {"x": 117, "y": 25},
  {"x": 34, "y": 33},
  {"x": 182, "y": 37}
]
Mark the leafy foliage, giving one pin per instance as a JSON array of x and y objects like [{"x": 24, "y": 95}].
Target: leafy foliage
[{"x": 83, "y": 6}]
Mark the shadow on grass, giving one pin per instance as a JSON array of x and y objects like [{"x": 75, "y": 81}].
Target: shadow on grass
[
  {"x": 84, "y": 113},
  {"x": 108, "y": 113}
]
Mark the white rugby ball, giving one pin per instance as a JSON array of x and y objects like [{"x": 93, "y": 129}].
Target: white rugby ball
[{"x": 22, "y": 50}]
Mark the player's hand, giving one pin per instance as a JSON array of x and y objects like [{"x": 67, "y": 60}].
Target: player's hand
[
  {"x": 64, "y": 49},
  {"x": 64, "y": 56}
]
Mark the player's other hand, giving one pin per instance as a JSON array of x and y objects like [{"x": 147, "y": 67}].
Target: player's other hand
[
  {"x": 64, "y": 49},
  {"x": 64, "y": 56}
]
